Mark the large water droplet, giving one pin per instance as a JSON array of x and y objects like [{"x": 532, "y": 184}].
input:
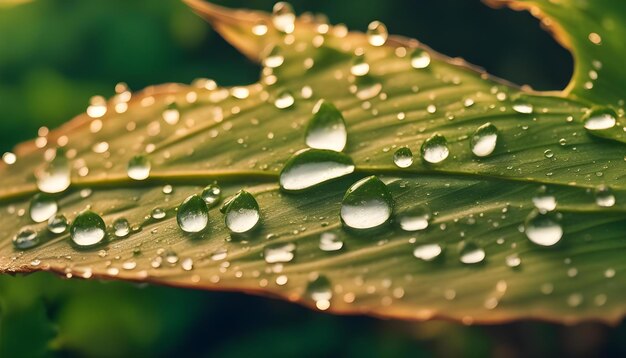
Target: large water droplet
[
  {"x": 435, "y": 149},
  {"x": 42, "y": 207},
  {"x": 121, "y": 227},
  {"x": 279, "y": 253},
  {"x": 367, "y": 204},
  {"x": 420, "y": 59},
  {"x": 471, "y": 253},
  {"x": 139, "y": 167},
  {"x": 329, "y": 241},
  {"x": 88, "y": 229},
  {"x": 212, "y": 194},
  {"x": 310, "y": 167},
  {"x": 599, "y": 119},
  {"x": 274, "y": 58},
  {"x": 403, "y": 157},
  {"x": 283, "y": 17},
  {"x": 414, "y": 219},
  {"x": 25, "y": 239},
  {"x": 604, "y": 197},
  {"x": 484, "y": 139},
  {"x": 327, "y": 128},
  {"x": 55, "y": 177},
  {"x": 428, "y": 252},
  {"x": 320, "y": 291},
  {"x": 57, "y": 224},
  {"x": 193, "y": 214},
  {"x": 377, "y": 33},
  {"x": 543, "y": 228},
  {"x": 241, "y": 213},
  {"x": 359, "y": 66}
]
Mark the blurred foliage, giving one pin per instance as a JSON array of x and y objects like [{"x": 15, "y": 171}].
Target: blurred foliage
[{"x": 56, "y": 54}]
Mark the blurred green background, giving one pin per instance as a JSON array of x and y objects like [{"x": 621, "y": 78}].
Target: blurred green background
[{"x": 56, "y": 54}]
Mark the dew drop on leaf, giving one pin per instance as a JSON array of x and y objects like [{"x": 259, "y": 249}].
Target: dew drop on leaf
[
  {"x": 55, "y": 177},
  {"x": 327, "y": 128},
  {"x": 283, "y": 17},
  {"x": 377, "y": 33},
  {"x": 367, "y": 204},
  {"x": 310, "y": 167},
  {"x": 121, "y": 227},
  {"x": 279, "y": 253},
  {"x": 241, "y": 213},
  {"x": 320, "y": 291},
  {"x": 483, "y": 141},
  {"x": 158, "y": 213},
  {"x": 88, "y": 229},
  {"x": 403, "y": 157},
  {"x": 193, "y": 214},
  {"x": 274, "y": 58},
  {"x": 599, "y": 119},
  {"x": 513, "y": 260},
  {"x": 520, "y": 106},
  {"x": 25, "y": 239},
  {"x": 139, "y": 167},
  {"x": 427, "y": 252},
  {"x": 171, "y": 115},
  {"x": 420, "y": 59},
  {"x": 543, "y": 228},
  {"x": 604, "y": 197},
  {"x": 212, "y": 194},
  {"x": 359, "y": 66},
  {"x": 284, "y": 100},
  {"x": 543, "y": 200},
  {"x": 435, "y": 149},
  {"x": 42, "y": 207},
  {"x": 57, "y": 224},
  {"x": 414, "y": 219},
  {"x": 470, "y": 253},
  {"x": 329, "y": 241}
]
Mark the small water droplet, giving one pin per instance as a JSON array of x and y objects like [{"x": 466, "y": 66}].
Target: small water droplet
[
  {"x": 484, "y": 139},
  {"x": 544, "y": 201},
  {"x": 543, "y": 228},
  {"x": 310, "y": 167},
  {"x": 427, "y": 252},
  {"x": 403, "y": 157},
  {"x": 548, "y": 153},
  {"x": 121, "y": 227},
  {"x": 604, "y": 197},
  {"x": 88, "y": 229},
  {"x": 327, "y": 128},
  {"x": 329, "y": 241},
  {"x": 521, "y": 106},
  {"x": 57, "y": 224},
  {"x": 212, "y": 194},
  {"x": 471, "y": 253},
  {"x": 187, "y": 264},
  {"x": 284, "y": 100},
  {"x": 599, "y": 119},
  {"x": 274, "y": 58},
  {"x": 42, "y": 207},
  {"x": 171, "y": 115},
  {"x": 414, "y": 219},
  {"x": 193, "y": 214},
  {"x": 55, "y": 177},
  {"x": 367, "y": 204},
  {"x": 377, "y": 33},
  {"x": 158, "y": 213},
  {"x": 420, "y": 59},
  {"x": 139, "y": 168},
  {"x": 513, "y": 260},
  {"x": 435, "y": 149},
  {"x": 279, "y": 253},
  {"x": 359, "y": 66},
  {"x": 25, "y": 239},
  {"x": 320, "y": 291},
  {"x": 241, "y": 213},
  {"x": 283, "y": 17}
]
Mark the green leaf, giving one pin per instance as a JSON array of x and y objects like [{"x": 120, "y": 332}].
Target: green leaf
[{"x": 530, "y": 227}]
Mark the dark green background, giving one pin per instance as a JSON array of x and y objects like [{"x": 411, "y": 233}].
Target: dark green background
[{"x": 56, "y": 54}]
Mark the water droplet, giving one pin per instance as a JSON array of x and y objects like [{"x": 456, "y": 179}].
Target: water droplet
[
  {"x": 420, "y": 59},
  {"x": 284, "y": 100},
  {"x": 548, "y": 153},
  {"x": 193, "y": 214},
  {"x": 158, "y": 213},
  {"x": 279, "y": 253},
  {"x": 171, "y": 115},
  {"x": 428, "y": 252},
  {"x": 513, "y": 260},
  {"x": 368, "y": 89},
  {"x": 212, "y": 194},
  {"x": 520, "y": 106},
  {"x": 88, "y": 229},
  {"x": 283, "y": 17},
  {"x": 310, "y": 167},
  {"x": 274, "y": 58},
  {"x": 121, "y": 227},
  {"x": 543, "y": 228},
  {"x": 329, "y": 241},
  {"x": 543, "y": 200},
  {"x": 9, "y": 158},
  {"x": 320, "y": 291},
  {"x": 403, "y": 157},
  {"x": 187, "y": 264},
  {"x": 57, "y": 224},
  {"x": 25, "y": 239},
  {"x": 367, "y": 204},
  {"x": 435, "y": 149},
  {"x": 484, "y": 140},
  {"x": 260, "y": 28},
  {"x": 327, "y": 128},
  {"x": 377, "y": 33},
  {"x": 241, "y": 212},
  {"x": 139, "y": 168},
  {"x": 599, "y": 119},
  {"x": 471, "y": 253},
  {"x": 604, "y": 197},
  {"x": 55, "y": 177},
  {"x": 42, "y": 207},
  {"x": 414, "y": 219},
  {"x": 171, "y": 257},
  {"x": 359, "y": 66}
]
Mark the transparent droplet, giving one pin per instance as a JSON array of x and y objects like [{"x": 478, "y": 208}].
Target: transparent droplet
[
  {"x": 158, "y": 213},
  {"x": 368, "y": 89},
  {"x": 241, "y": 213},
  {"x": 513, "y": 260},
  {"x": 414, "y": 219},
  {"x": 329, "y": 241},
  {"x": 599, "y": 119},
  {"x": 327, "y": 128},
  {"x": 427, "y": 252},
  {"x": 42, "y": 207},
  {"x": 55, "y": 177},
  {"x": 367, "y": 204},
  {"x": 471, "y": 253},
  {"x": 310, "y": 167},
  {"x": 121, "y": 227},
  {"x": 284, "y": 100},
  {"x": 521, "y": 106},
  {"x": 274, "y": 58},
  {"x": 88, "y": 229},
  {"x": 543, "y": 228},
  {"x": 484, "y": 139},
  {"x": 403, "y": 157},
  {"x": 435, "y": 149},
  {"x": 25, "y": 239},
  {"x": 279, "y": 253},
  {"x": 359, "y": 66},
  {"x": 187, "y": 264},
  {"x": 139, "y": 167},
  {"x": 543, "y": 200},
  {"x": 283, "y": 17},
  {"x": 420, "y": 59},
  {"x": 212, "y": 194},
  {"x": 57, "y": 224},
  {"x": 193, "y": 214},
  {"x": 171, "y": 115},
  {"x": 604, "y": 197},
  {"x": 320, "y": 291},
  {"x": 260, "y": 28},
  {"x": 377, "y": 33}
]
